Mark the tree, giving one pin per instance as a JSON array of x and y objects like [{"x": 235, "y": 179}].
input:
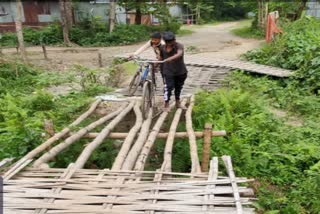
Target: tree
[
  {"x": 140, "y": 7},
  {"x": 262, "y": 13},
  {"x": 112, "y": 15},
  {"x": 69, "y": 13},
  {"x": 138, "y": 12},
  {"x": 64, "y": 21},
  {"x": 19, "y": 30}
]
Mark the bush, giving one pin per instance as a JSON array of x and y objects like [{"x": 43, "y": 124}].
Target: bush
[
  {"x": 8, "y": 39},
  {"x": 89, "y": 34},
  {"x": 284, "y": 159},
  {"x": 297, "y": 49}
]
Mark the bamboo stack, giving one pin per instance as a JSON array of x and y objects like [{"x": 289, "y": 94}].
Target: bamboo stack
[
  {"x": 95, "y": 191},
  {"x": 126, "y": 187}
]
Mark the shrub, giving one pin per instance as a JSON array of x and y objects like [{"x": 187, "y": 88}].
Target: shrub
[
  {"x": 89, "y": 34},
  {"x": 262, "y": 146},
  {"x": 297, "y": 49}
]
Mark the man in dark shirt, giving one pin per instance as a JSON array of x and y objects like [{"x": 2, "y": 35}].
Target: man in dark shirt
[{"x": 174, "y": 69}]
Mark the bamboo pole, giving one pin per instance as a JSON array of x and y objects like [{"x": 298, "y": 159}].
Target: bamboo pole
[
  {"x": 167, "y": 157},
  {"x": 53, "y": 139},
  {"x": 195, "y": 165},
  {"x": 230, "y": 171},
  {"x": 129, "y": 139},
  {"x": 18, "y": 169},
  {"x": 139, "y": 166},
  {"x": 44, "y": 51},
  {"x": 5, "y": 161},
  {"x": 138, "y": 145},
  {"x": 100, "y": 60},
  {"x": 82, "y": 159},
  {"x": 212, "y": 176},
  {"x": 75, "y": 137},
  {"x": 123, "y": 135},
  {"x": 206, "y": 147}
]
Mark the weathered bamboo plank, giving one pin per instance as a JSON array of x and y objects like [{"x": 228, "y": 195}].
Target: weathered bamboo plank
[
  {"x": 129, "y": 139},
  {"x": 228, "y": 164},
  {"x": 122, "y": 135},
  {"x": 148, "y": 145},
  {"x": 167, "y": 156},
  {"x": 5, "y": 161},
  {"x": 136, "y": 148},
  {"x": 75, "y": 137},
  {"x": 84, "y": 156},
  {"x": 195, "y": 165}
]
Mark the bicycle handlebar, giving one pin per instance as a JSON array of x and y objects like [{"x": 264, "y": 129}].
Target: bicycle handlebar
[{"x": 148, "y": 61}]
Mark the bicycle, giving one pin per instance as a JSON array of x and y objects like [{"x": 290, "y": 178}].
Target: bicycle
[{"x": 147, "y": 81}]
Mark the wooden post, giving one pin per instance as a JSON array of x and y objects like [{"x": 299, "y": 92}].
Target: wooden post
[
  {"x": 49, "y": 128},
  {"x": 206, "y": 147},
  {"x": 100, "y": 60},
  {"x": 44, "y": 51}
]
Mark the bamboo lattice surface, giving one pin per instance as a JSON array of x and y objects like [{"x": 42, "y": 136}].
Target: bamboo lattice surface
[{"x": 125, "y": 191}]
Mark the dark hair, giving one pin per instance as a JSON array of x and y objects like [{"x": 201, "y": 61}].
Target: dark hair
[
  {"x": 169, "y": 36},
  {"x": 156, "y": 35}
]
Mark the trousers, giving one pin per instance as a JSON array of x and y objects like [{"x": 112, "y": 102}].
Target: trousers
[{"x": 173, "y": 83}]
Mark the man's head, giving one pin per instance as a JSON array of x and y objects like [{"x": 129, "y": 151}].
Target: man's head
[
  {"x": 169, "y": 38},
  {"x": 155, "y": 39}
]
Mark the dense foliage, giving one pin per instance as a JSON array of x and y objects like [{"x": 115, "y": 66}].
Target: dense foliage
[
  {"x": 297, "y": 49},
  {"x": 282, "y": 156},
  {"x": 89, "y": 33},
  {"x": 281, "y": 153},
  {"x": 25, "y": 103}
]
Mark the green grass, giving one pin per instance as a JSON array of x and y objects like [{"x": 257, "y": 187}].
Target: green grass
[
  {"x": 248, "y": 33},
  {"x": 245, "y": 30},
  {"x": 130, "y": 67},
  {"x": 184, "y": 32},
  {"x": 283, "y": 158}
]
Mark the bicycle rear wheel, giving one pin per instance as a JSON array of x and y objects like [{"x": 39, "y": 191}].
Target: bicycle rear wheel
[
  {"x": 134, "y": 84},
  {"x": 146, "y": 104}
]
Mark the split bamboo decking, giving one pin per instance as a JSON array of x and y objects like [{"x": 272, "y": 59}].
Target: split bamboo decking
[
  {"x": 30, "y": 186},
  {"x": 201, "y": 60}
]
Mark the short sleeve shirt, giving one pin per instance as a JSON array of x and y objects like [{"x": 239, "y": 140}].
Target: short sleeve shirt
[{"x": 176, "y": 67}]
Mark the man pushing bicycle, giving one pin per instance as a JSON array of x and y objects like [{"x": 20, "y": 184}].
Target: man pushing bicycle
[{"x": 174, "y": 69}]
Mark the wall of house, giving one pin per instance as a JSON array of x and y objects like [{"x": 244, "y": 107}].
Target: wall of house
[
  {"x": 313, "y": 8},
  {"x": 54, "y": 13},
  {"x": 10, "y": 9}
]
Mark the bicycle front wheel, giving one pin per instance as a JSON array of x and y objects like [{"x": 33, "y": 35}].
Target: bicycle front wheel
[
  {"x": 146, "y": 99},
  {"x": 134, "y": 84}
]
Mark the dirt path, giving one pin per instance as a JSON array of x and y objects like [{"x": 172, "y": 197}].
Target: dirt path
[
  {"x": 208, "y": 40},
  {"x": 218, "y": 41}
]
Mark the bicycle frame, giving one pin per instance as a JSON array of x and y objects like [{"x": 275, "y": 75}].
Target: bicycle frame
[{"x": 145, "y": 73}]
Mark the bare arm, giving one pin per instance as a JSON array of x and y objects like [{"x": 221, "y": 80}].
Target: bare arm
[
  {"x": 177, "y": 55},
  {"x": 142, "y": 49}
]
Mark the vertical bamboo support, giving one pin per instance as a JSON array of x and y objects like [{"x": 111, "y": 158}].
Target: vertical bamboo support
[
  {"x": 195, "y": 165},
  {"x": 100, "y": 60},
  {"x": 44, "y": 51},
  {"x": 206, "y": 147}
]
